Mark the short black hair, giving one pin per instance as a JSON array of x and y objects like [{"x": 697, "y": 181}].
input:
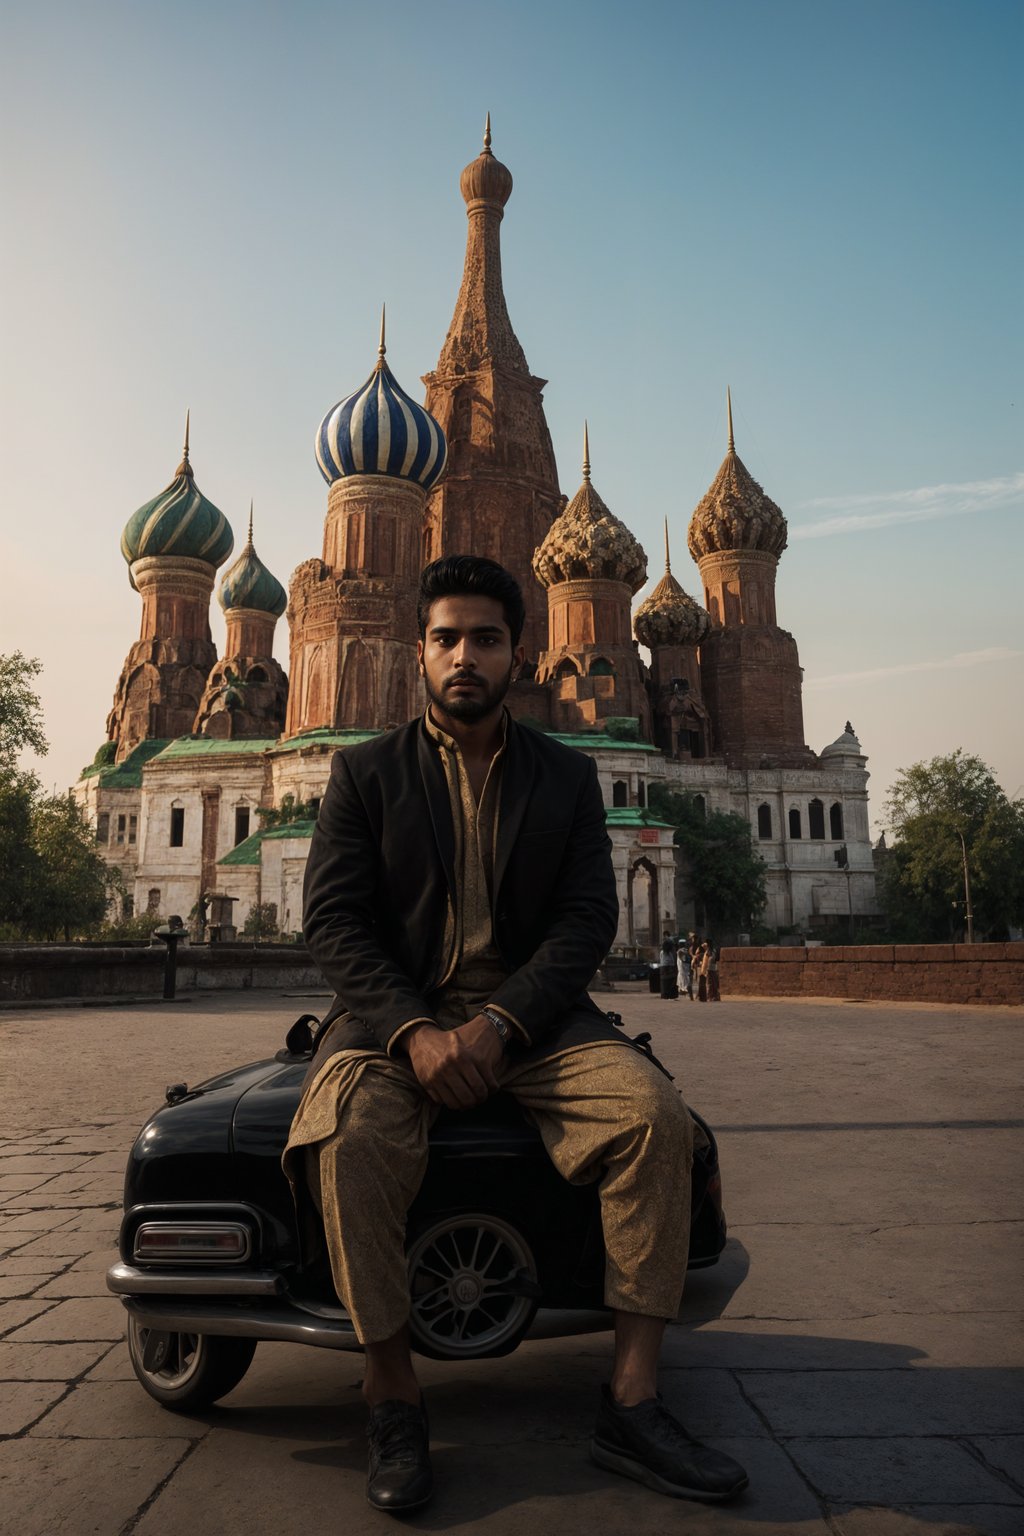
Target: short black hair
[{"x": 472, "y": 576}]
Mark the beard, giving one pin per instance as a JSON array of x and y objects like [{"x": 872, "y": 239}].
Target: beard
[{"x": 470, "y": 707}]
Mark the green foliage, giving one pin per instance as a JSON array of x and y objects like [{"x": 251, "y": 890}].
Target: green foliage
[
  {"x": 105, "y": 754},
  {"x": 18, "y": 858},
  {"x": 727, "y": 874},
  {"x": 930, "y": 807},
  {"x": 71, "y": 889},
  {"x": 288, "y": 811},
  {"x": 122, "y": 929},
  {"x": 261, "y": 922},
  {"x": 21, "y": 721}
]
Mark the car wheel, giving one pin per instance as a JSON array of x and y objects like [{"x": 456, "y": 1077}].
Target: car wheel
[
  {"x": 473, "y": 1283},
  {"x": 184, "y": 1371}
]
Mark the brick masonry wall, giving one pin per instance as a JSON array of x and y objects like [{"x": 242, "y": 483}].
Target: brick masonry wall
[{"x": 910, "y": 973}]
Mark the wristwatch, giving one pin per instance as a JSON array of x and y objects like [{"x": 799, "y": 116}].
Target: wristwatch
[{"x": 500, "y": 1023}]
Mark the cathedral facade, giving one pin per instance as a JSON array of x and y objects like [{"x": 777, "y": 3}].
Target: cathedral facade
[{"x": 207, "y": 787}]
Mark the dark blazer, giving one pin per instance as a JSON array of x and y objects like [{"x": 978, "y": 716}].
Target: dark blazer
[{"x": 381, "y": 869}]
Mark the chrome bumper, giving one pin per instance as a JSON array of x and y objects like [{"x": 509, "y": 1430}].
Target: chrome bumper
[{"x": 126, "y": 1280}]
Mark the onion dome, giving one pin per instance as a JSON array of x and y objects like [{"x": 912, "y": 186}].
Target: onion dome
[
  {"x": 735, "y": 513},
  {"x": 248, "y": 583},
  {"x": 669, "y": 616},
  {"x": 845, "y": 745},
  {"x": 380, "y": 430},
  {"x": 180, "y": 521},
  {"x": 588, "y": 543},
  {"x": 485, "y": 177}
]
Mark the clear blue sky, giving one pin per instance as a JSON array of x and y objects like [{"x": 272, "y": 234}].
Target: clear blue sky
[{"x": 816, "y": 202}]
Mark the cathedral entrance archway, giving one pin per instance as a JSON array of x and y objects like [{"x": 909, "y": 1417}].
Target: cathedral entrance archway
[{"x": 642, "y": 898}]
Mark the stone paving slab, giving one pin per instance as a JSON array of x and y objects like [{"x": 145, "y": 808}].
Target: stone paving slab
[
  {"x": 856, "y": 1347},
  {"x": 82, "y": 1487}
]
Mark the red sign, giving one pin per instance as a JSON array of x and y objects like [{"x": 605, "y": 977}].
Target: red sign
[{"x": 648, "y": 835}]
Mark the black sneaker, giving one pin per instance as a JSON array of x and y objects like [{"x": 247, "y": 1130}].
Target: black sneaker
[
  {"x": 648, "y": 1444},
  {"x": 399, "y": 1475}
]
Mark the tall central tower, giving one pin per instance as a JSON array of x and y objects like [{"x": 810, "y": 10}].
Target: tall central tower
[{"x": 500, "y": 495}]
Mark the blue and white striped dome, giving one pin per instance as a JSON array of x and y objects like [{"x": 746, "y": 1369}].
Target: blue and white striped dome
[{"x": 381, "y": 431}]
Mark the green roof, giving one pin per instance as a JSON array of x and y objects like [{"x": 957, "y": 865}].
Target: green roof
[
  {"x": 600, "y": 741},
  {"x": 291, "y": 829},
  {"x": 248, "y": 852},
  {"x": 634, "y": 816},
  {"x": 126, "y": 775},
  {"x": 205, "y": 746},
  {"x": 324, "y": 736}
]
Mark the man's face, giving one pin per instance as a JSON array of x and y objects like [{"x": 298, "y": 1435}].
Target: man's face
[{"x": 467, "y": 657}]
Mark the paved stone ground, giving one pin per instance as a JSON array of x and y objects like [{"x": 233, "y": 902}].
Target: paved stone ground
[{"x": 857, "y": 1346}]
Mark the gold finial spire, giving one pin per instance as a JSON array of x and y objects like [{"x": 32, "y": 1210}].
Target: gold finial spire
[
  {"x": 250, "y": 522},
  {"x": 487, "y": 135},
  {"x": 668, "y": 561},
  {"x": 185, "y": 468},
  {"x": 382, "y": 348},
  {"x": 728, "y": 407},
  {"x": 586, "y": 452}
]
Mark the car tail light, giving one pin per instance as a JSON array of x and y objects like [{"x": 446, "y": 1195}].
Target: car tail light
[{"x": 180, "y": 1242}]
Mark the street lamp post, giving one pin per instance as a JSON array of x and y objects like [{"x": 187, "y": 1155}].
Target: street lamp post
[{"x": 969, "y": 913}]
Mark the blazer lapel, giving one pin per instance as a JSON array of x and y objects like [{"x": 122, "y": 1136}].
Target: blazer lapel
[
  {"x": 516, "y": 788},
  {"x": 435, "y": 787}
]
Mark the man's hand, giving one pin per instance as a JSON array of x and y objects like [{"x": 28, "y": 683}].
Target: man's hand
[{"x": 457, "y": 1067}]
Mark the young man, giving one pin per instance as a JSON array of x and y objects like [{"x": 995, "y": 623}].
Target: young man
[{"x": 459, "y": 898}]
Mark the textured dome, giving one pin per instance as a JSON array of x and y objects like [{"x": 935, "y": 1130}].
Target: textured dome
[
  {"x": 486, "y": 177},
  {"x": 845, "y": 745},
  {"x": 587, "y": 542},
  {"x": 735, "y": 513},
  {"x": 180, "y": 521},
  {"x": 248, "y": 584},
  {"x": 670, "y": 616},
  {"x": 381, "y": 431}
]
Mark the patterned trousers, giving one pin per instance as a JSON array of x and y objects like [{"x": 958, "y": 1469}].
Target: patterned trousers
[{"x": 605, "y": 1113}]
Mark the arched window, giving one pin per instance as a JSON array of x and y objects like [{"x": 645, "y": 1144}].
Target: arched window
[
  {"x": 835, "y": 822},
  {"x": 816, "y": 819},
  {"x": 764, "y": 821},
  {"x": 794, "y": 823},
  {"x": 257, "y": 675},
  {"x": 620, "y": 792},
  {"x": 565, "y": 668},
  {"x": 242, "y": 818},
  {"x": 601, "y": 667}
]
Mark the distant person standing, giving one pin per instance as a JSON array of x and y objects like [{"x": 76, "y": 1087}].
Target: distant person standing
[
  {"x": 667, "y": 967},
  {"x": 710, "y": 971},
  {"x": 684, "y": 971},
  {"x": 700, "y": 963}
]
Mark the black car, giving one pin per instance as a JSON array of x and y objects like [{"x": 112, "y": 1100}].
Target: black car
[{"x": 210, "y": 1259}]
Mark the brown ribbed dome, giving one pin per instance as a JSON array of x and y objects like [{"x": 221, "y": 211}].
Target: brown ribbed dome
[
  {"x": 485, "y": 177},
  {"x": 587, "y": 543},
  {"x": 670, "y": 616},
  {"x": 735, "y": 513}
]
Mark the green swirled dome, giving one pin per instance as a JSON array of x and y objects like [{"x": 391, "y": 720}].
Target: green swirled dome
[
  {"x": 180, "y": 521},
  {"x": 248, "y": 584}
]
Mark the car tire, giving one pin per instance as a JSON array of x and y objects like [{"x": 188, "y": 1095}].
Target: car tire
[
  {"x": 186, "y": 1371},
  {"x": 473, "y": 1283}
]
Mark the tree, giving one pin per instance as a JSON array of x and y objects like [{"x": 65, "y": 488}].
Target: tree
[
  {"x": 21, "y": 721},
  {"x": 932, "y": 807},
  {"x": 728, "y": 875},
  {"x": 72, "y": 883},
  {"x": 52, "y": 880}
]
